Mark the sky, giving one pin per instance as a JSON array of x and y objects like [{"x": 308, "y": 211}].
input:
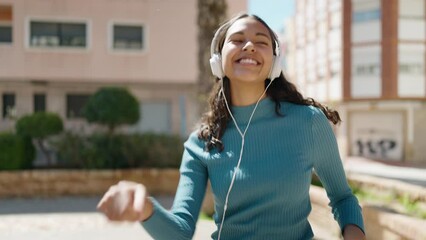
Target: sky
[{"x": 273, "y": 12}]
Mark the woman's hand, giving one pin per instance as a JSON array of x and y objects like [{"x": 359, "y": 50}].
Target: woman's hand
[
  {"x": 352, "y": 232},
  {"x": 126, "y": 201}
]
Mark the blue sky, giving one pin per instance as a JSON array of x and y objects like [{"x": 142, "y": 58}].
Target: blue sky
[{"x": 274, "y": 12}]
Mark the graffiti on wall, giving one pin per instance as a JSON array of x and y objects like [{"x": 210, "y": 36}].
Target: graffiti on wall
[
  {"x": 379, "y": 148},
  {"x": 377, "y": 134},
  {"x": 377, "y": 144}
]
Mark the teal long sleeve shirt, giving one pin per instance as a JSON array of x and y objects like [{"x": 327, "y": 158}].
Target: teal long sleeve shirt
[{"x": 270, "y": 196}]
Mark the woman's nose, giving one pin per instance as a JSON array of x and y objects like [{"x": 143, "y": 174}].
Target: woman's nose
[{"x": 249, "y": 46}]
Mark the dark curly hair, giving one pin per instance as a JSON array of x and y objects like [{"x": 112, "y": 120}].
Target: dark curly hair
[{"x": 213, "y": 122}]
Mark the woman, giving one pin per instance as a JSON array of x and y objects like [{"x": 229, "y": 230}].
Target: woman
[{"x": 257, "y": 145}]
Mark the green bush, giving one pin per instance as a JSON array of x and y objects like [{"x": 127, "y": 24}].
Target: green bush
[
  {"x": 104, "y": 151},
  {"x": 40, "y": 126},
  {"x": 112, "y": 107},
  {"x": 17, "y": 152}
]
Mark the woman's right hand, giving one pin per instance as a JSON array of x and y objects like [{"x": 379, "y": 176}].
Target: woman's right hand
[{"x": 126, "y": 201}]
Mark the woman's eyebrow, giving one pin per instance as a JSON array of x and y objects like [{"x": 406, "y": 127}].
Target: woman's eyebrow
[
  {"x": 257, "y": 34},
  {"x": 263, "y": 34}
]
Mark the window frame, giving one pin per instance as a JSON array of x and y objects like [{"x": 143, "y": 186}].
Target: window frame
[
  {"x": 65, "y": 20},
  {"x": 44, "y": 104},
  {"x": 4, "y": 108},
  {"x": 68, "y": 115},
  {"x": 145, "y": 42},
  {"x": 7, "y": 24}
]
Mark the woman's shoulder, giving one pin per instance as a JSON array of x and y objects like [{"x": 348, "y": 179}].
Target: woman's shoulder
[
  {"x": 307, "y": 111},
  {"x": 193, "y": 142}
]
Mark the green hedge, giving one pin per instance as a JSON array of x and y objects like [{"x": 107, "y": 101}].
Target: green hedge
[
  {"x": 103, "y": 151},
  {"x": 17, "y": 152}
]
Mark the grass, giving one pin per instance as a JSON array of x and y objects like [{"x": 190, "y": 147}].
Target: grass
[
  {"x": 401, "y": 204},
  {"x": 205, "y": 216}
]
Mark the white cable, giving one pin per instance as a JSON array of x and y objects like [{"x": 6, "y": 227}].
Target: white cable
[{"x": 242, "y": 134}]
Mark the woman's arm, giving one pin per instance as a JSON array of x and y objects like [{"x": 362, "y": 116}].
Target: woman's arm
[
  {"x": 329, "y": 168},
  {"x": 179, "y": 222},
  {"x": 129, "y": 201}
]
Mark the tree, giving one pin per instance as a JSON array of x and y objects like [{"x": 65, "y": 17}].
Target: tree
[
  {"x": 211, "y": 13},
  {"x": 38, "y": 127},
  {"x": 112, "y": 107}
]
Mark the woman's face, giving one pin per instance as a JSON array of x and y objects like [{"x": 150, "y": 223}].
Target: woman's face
[{"x": 247, "y": 52}]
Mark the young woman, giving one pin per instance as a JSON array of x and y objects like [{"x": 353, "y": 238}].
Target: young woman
[{"x": 258, "y": 146}]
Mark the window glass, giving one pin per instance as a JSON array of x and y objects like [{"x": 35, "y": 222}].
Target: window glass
[
  {"x": 128, "y": 37},
  {"x": 8, "y": 104},
  {"x": 75, "y": 104},
  {"x": 39, "y": 102},
  {"x": 52, "y": 34}
]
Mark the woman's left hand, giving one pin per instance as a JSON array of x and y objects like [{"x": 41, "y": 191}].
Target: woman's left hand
[{"x": 352, "y": 232}]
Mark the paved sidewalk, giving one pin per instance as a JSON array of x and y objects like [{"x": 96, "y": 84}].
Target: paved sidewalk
[
  {"x": 390, "y": 170},
  {"x": 82, "y": 226},
  {"x": 69, "y": 218}
]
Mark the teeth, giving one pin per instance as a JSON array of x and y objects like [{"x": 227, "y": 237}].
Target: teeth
[{"x": 248, "y": 61}]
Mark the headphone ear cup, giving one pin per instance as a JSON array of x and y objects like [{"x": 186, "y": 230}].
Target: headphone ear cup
[
  {"x": 216, "y": 65},
  {"x": 276, "y": 68}
]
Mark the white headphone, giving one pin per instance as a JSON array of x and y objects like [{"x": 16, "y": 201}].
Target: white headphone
[{"x": 216, "y": 59}]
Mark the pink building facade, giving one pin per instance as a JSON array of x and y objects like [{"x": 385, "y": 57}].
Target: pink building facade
[{"x": 55, "y": 54}]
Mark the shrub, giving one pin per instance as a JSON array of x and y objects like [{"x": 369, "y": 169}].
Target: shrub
[
  {"x": 112, "y": 107},
  {"x": 17, "y": 152},
  {"x": 39, "y": 126},
  {"x": 103, "y": 151}
]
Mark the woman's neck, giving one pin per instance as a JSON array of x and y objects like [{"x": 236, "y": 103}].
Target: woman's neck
[{"x": 246, "y": 94}]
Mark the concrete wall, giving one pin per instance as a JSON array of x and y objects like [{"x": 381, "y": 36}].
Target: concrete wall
[
  {"x": 402, "y": 121},
  {"x": 418, "y": 149}
]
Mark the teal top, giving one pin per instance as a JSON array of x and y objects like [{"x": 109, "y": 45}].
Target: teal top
[{"x": 270, "y": 196}]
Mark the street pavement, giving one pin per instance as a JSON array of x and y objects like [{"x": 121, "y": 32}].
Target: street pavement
[
  {"x": 67, "y": 218},
  {"x": 70, "y": 218},
  {"x": 389, "y": 170}
]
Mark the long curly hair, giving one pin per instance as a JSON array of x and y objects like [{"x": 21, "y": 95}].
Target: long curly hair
[{"x": 214, "y": 121}]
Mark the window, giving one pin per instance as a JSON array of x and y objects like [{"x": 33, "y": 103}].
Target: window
[
  {"x": 155, "y": 117},
  {"x": 5, "y": 34},
  {"x": 411, "y": 68},
  {"x": 8, "y": 104},
  {"x": 39, "y": 102},
  {"x": 128, "y": 37},
  {"x": 5, "y": 24},
  {"x": 57, "y": 34},
  {"x": 368, "y": 70},
  {"x": 366, "y": 16},
  {"x": 75, "y": 104}
]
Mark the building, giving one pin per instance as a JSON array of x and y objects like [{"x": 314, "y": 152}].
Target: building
[
  {"x": 55, "y": 54},
  {"x": 367, "y": 59}
]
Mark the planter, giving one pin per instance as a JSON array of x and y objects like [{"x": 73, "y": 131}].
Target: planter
[
  {"x": 380, "y": 222},
  {"x": 52, "y": 183}
]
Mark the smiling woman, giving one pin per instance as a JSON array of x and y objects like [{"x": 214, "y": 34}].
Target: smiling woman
[{"x": 258, "y": 145}]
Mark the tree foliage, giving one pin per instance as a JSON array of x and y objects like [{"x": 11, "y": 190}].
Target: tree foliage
[
  {"x": 39, "y": 126},
  {"x": 211, "y": 13},
  {"x": 112, "y": 107}
]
